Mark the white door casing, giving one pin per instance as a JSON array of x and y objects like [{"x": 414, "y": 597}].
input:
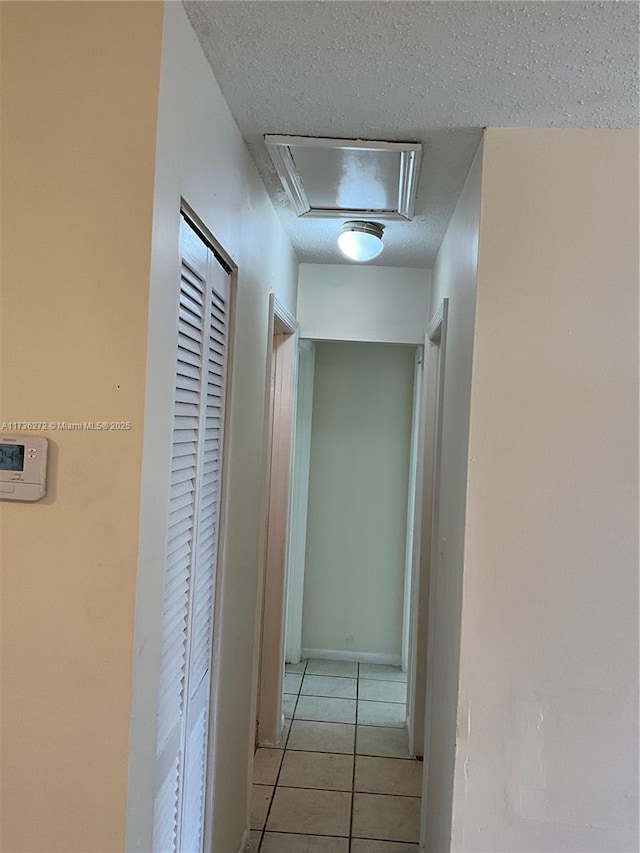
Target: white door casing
[
  {"x": 412, "y": 553},
  {"x": 299, "y": 501},
  {"x": 282, "y": 371},
  {"x": 428, "y": 484},
  {"x": 436, "y": 341}
]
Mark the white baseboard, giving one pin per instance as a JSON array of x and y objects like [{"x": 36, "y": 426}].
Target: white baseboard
[
  {"x": 244, "y": 844},
  {"x": 357, "y": 657}
]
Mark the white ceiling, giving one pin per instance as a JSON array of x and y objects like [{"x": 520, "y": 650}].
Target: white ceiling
[{"x": 430, "y": 72}]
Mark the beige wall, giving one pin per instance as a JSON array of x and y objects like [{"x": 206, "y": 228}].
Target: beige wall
[
  {"x": 201, "y": 157},
  {"x": 547, "y": 756},
  {"x": 455, "y": 279},
  {"x": 351, "y": 302},
  {"x": 79, "y": 95},
  {"x": 358, "y": 487}
]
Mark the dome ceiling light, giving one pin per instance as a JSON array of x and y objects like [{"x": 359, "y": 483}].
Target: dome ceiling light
[{"x": 361, "y": 241}]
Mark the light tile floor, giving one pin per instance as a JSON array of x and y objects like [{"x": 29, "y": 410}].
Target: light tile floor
[{"x": 343, "y": 781}]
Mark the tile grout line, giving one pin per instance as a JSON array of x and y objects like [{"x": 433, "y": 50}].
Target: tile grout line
[
  {"x": 284, "y": 751},
  {"x": 345, "y": 791},
  {"x": 333, "y": 752},
  {"x": 347, "y": 698},
  {"x": 328, "y": 835},
  {"x": 353, "y": 774},
  {"x": 286, "y": 748},
  {"x": 361, "y": 677}
]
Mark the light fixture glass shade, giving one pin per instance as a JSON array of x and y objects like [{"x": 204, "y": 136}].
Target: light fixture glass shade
[{"x": 361, "y": 241}]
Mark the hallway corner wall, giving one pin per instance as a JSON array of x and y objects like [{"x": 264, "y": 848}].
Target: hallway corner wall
[
  {"x": 79, "y": 98},
  {"x": 547, "y": 757},
  {"x": 455, "y": 274}
]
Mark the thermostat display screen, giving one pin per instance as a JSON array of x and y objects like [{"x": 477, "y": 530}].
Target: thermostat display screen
[{"x": 11, "y": 457}]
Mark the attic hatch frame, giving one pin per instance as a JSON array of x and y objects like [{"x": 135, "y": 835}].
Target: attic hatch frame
[{"x": 279, "y": 148}]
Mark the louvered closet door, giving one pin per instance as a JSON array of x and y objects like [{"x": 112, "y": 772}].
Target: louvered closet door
[{"x": 192, "y": 548}]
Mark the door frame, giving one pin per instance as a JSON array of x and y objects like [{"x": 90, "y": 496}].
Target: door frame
[
  {"x": 413, "y": 510},
  {"x": 299, "y": 500},
  {"x": 282, "y": 365},
  {"x": 423, "y": 581}
]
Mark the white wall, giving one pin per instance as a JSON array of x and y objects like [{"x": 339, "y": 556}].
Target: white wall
[
  {"x": 454, "y": 278},
  {"x": 548, "y": 714},
  {"x": 201, "y": 157},
  {"x": 350, "y": 302},
  {"x": 358, "y": 485}
]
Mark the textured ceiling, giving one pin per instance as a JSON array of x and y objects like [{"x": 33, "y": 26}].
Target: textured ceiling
[{"x": 430, "y": 72}]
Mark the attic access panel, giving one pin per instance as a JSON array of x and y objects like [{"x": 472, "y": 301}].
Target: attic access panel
[{"x": 339, "y": 178}]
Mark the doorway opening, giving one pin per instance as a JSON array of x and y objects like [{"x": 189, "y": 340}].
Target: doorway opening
[
  {"x": 359, "y": 452},
  {"x": 355, "y": 569}
]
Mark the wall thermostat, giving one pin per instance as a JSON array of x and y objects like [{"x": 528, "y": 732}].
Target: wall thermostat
[{"x": 23, "y": 467}]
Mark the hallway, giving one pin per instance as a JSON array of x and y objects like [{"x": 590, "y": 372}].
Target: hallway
[{"x": 344, "y": 781}]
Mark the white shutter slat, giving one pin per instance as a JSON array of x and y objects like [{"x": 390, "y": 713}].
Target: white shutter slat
[
  {"x": 211, "y": 490},
  {"x": 188, "y": 345},
  {"x": 180, "y": 450},
  {"x": 177, "y": 518},
  {"x": 189, "y": 304},
  {"x": 181, "y": 573},
  {"x": 188, "y": 358},
  {"x": 185, "y": 369},
  {"x": 209, "y": 539},
  {"x": 216, "y": 370},
  {"x": 219, "y": 304},
  {"x": 180, "y": 490},
  {"x": 216, "y": 358},
  {"x": 218, "y": 323},
  {"x": 177, "y": 543},
  {"x": 182, "y": 464},
  {"x": 193, "y": 267},
  {"x": 187, "y": 383},
  {"x": 187, "y": 410},
  {"x": 190, "y": 320},
  {"x": 208, "y": 552},
  {"x": 176, "y": 620},
  {"x": 181, "y": 514},
  {"x": 181, "y": 424},
  {"x": 173, "y": 666},
  {"x": 192, "y": 286},
  {"x": 207, "y": 520},
  {"x": 211, "y": 493},
  {"x": 180, "y": 523},
  {"x": 212, "y": 445},
  {"x": 180, "y": 528},
  {"x": 189, "y": 326},
  {"x": 181, "y": 475},
  {"x": 217, "y": 346},
  {"x": 194, "y": 785},
  {"x": 187, "y": 395},
  {"x": 166, "y": 807},
  {"x": 204, "y": 570},
  {"x": 181, "y": 435}
]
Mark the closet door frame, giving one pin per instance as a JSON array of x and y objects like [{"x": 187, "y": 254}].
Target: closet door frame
[
  {"x": 156, "y": 436},
  {"x": 226, "y": 261}
]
